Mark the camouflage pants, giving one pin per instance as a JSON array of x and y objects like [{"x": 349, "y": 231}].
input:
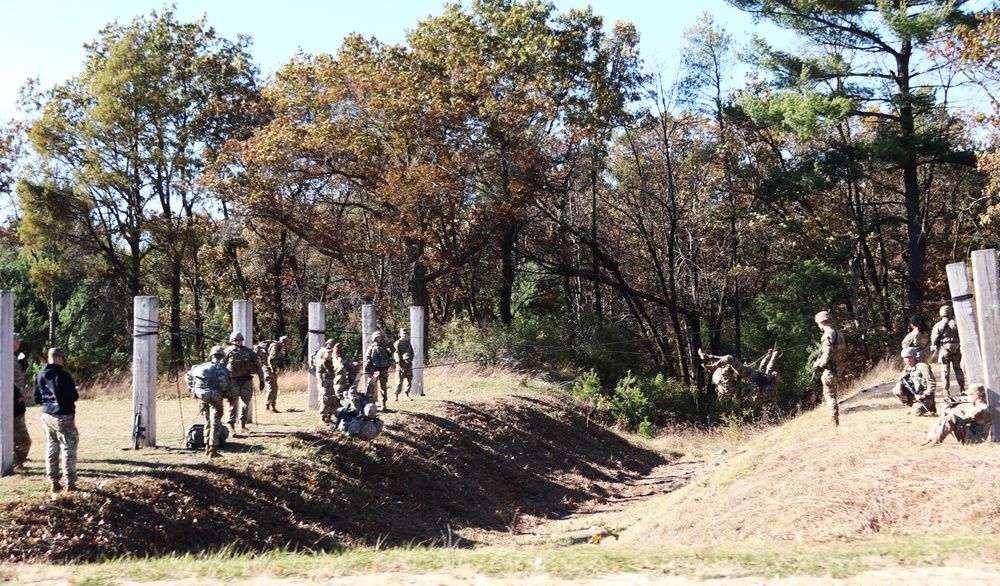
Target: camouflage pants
[
  {"x": 404, "y": 380},
  {"x": 950, "y": 356},
  {"x": 329, "y": 396},
  {"x": 242, "y": 390},
  {"x": 22, "y": 441},
  {"x": 271, "y": 386},
  {"x": 829, "y": 379},
  {"x": 918, "y": 408},
  {"x": 378, "y": 381},
  {"x": 213, "y": 422},
  {"x": 62, "y": 439},
  {"x": 947, "y": 424}
]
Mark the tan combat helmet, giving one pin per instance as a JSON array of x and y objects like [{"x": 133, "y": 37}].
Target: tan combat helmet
[
  {"x": 822, "y": 317},
  {"x": 946, "y": 311},
  {"x": 376, "y": 336},
  {"x": 235, "y": 336},
  {"x": 284, "y": 340},
  {"x": 218, "y": 351},
  {"x": 909, "y": 352},
  {"x": 329, "y": 343}
]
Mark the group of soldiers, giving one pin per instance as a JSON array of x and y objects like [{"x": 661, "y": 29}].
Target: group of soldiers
[
  {"x": 967, "y": 415},
  {"x": 232, "y": 371}
]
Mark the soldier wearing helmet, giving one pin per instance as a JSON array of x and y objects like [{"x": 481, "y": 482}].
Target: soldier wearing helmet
[
  {"x": 378, "y": 361},
  {"x": 915, "y": 388},
  {"x": 212, "y": 407},
  {"x": 828, "y": 363},
  {"x": 326, "y": 372},
  {"x": 242, "y": 363},
  {"x": 945, "y": 341},
  {"x": 274, "y": 361},
  {"x": 403, "y": 355}
]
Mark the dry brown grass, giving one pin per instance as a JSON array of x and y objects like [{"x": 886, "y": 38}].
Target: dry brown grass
[{"x": 810, "y": 481}]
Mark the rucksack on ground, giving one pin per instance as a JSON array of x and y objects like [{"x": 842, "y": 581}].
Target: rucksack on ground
[
  {"x": 195, "y": 437},
  {"x": 205, "y": 381}
]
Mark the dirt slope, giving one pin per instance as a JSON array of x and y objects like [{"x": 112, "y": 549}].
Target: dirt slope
[
  {"x": 810, "y": 481},
  {"x": 458, "y": 474}
]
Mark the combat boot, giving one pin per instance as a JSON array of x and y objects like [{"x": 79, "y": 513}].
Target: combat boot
[
  {"x": 55, "y": 488},
  {"x": 836, "y": 420},
  {"x": 274, "y": 408},
  {"x": 213, "y": 452},
  {"x": 71, "y": 486}
]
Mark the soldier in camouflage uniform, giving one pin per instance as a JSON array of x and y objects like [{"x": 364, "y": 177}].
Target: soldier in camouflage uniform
[
  {"x": 242, "y": 363},
  {"x": 213, "y": 409},
  {"x": 22, "y": 441},
  {"x": 325, "y": 373},
  {"x": 970, "y": 425},
  {"x": 917, "y": 338},
  {"x": 916, "y": 386},
  {"x": 944, "y": 341},
  {"x": 828, "y": 363},
  {"x": 378, "y": 361},
  {"x": 403, "y": 356},
  {"x": 275, "y": 360},
  {"x": 726, "y": 373},
  {"x": 56, "y": 392}
]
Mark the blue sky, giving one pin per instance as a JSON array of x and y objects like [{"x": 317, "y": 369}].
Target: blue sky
[{"x": 44, "y": 38}]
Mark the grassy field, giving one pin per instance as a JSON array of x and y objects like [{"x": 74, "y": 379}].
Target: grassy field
[{"x": 799, "y": 503}]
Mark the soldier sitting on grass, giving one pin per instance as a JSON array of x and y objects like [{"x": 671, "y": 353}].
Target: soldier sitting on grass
[{"x": 971, "y": 425}]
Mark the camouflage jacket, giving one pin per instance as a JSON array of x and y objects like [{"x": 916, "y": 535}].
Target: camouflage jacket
[
  {"x": 378, "y": 357},
  {"x": 945, "y": 331},
  {"x": 242, "y": 362},
  {"x": 917, "y": 339},
  {"x": 275, "y": 357},
  {"x": 922, "y": 378},
  {"x": 831, "y": 349}
]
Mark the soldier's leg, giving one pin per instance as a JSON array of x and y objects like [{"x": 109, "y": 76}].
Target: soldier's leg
[
  {"x": 271, "y": 385},
  {"x": 941, "y": 430},
  {"x": 398, "y": 387},
  {"x": 829, "y": 379},
  {"x": 956, "y": 362},
  {"x": 945, "y": 361},
  {"x": 22, "y": 441},
  {"x": 382, "y": 383}
]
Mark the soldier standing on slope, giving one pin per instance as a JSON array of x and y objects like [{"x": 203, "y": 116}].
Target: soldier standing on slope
[
  {"x": 831, "y": 353},
  {"x": 944, "y": 341}
]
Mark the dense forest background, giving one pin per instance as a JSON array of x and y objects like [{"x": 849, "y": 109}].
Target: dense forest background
[{"x": 553, "y": 202}]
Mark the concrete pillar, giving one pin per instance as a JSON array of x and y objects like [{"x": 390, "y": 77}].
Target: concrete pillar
[
  {"x": 986, "y": 276},
  {"x": 418, "y": 339},
  {"x": 368, "y": 327},
  {"x": 317, "y": 336},
  {"x": 6, "y": 382},
  {"x": 243, "y": 323},
  {"x": 144, "y": 340},
  {"x": 965, "y": 318}
]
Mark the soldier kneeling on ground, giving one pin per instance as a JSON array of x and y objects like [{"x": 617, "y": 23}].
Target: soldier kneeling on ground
[{"x": 916, "y": 385}]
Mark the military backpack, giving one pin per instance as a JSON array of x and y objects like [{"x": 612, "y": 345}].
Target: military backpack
[{"x": 206, "y": 381}]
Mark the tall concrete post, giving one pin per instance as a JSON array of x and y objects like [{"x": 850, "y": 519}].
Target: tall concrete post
[
  {"x": 417, "y": 338},
  {"x": 986, "y": 276},
  {"x": 144, "y": 339},
  {"x": 6, "y": 382},
  {"x": 243, "y": 323},
  {"x": 368, "y": 327},
  {"x": 965, "y": 318},
  {"x": 317, "y": 336}
]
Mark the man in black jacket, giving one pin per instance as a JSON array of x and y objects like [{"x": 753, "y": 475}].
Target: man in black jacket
[{"x": 56, "y": 392}]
